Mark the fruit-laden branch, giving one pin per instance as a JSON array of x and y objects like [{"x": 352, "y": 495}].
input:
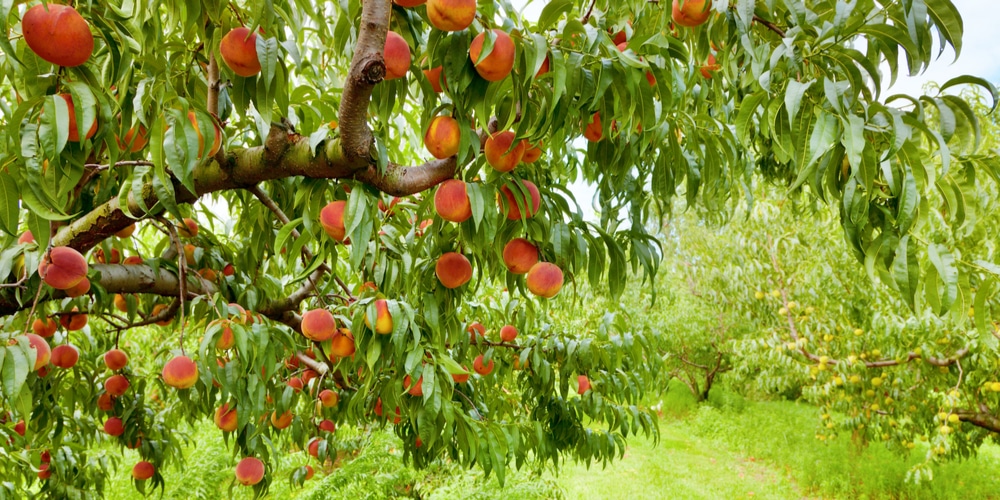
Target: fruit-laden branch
[{"x": 120, "y": 278}]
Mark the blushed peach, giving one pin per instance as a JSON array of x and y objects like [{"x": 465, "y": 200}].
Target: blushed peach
[
  {"x": 383, "y": 319},
  {"x": 519, "y": 255},
  {"x": 545, "y": 279},
  {"x": 508, "y": 333},
  {"x": 502, "y": 153},
  {"x": 498, "y": 64},
  {"x": 63, "y": 268},
  {"x": 397, "y": 56},
  {"x": 451, "y": 201},
  {"x": 451, "y": 15},
  {"x": 331, "y": 217},
  {"x": 453, "y": 270},
  {"x": 513, "y": 211},
  {"x": 239, "y": 51},
  {"x": 482, "y": 368},
  {"x": 58, "y": 34},
  {"x": 42, "y": 350},
  {"x": 65, "y": 356},
  {"x": 226, "y": 418},
  {"x": 318, "y": 325},
  {"x": 249, "y": 471},
  {"x": 443, "y": 137},
  {"x": 180, "y": 372}
]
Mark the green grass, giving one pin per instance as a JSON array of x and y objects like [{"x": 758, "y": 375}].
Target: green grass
[{"x": 729, "y": 448}]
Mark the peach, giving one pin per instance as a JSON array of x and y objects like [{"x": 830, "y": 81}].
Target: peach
[
  {"x": 19, "y": 427},
  {"x": 342, "y": 343},
  {"x": 451, "y": 15},
  {"x": 188, "y": 228},
  {"x": 132, "y": 260},
  {"x": 42, "y": 351},
  {"x": 453, "y": 270},
  {"x": 544, "y": 279},
  {"x": 417, "y": 388},
  {"x": 143, "y": 471},
  {"x": 692, "y": 13},
  {"x": 80, "y": 289},
  {"x": 519, "y": 255},
  {"x": 501, "y": 152},
  {"x": 225, "y": 418},
  {"x": 208, "y": 274},
  {"x": 544, "y": 68},
  {"x": 239, "y": 51},
  {"x": 499, "y": 63},
  {"x": 65, "y": 356},
  {"x": 461, "y": 378},
  {"x": 451, "y": 201},
  {"x": 443, "y": 137},
  {"x": 216, "y": 142},
  {"x": 116, "y": 385},
  {"x": 328, "y": 398},
  {"x": 180, "y": 372},
  {"x": 308, "y": 375},
  {"x": 115, "y": 359},
  {"x": 226, "y": 339},
  {"x": 228, "y": 270},
  {"x": 309, "y": 472},
  {"x": 531, "y": 153},
  {"x": 397, "y": 56},
  {"x": 583, "y": 384},
  {"x": 710, "y": 67},
  {"x": 99, "y": 257},
  {"x": 73, "y": 322},
  {"x": 313, "y": 446},
  {"x": 114, "y": 427},
  {"x": 189, "y": 256},
  {"x": 63, "y": 268},
  {"x": 44, "y": 328},
  {"x": 435, "y": 76},
  {"x": 476, "y": 331},
  {"x": 409, "y": 3},
  {"x": 331, "y": 217},
  {"x": 43, "y": 471},
  {"x": 383, "y": 319},
  {"x": 295, "y": 383},
  {"x": 105, "y": 402},
  {"x": 508, "y": 333},
  {"x": 161, "y": 309},
  {"x": 127, "y": 232},
  {"x": 249, "y": 471},
  {"x": 593, "y": 131},
  {"x": 328, "y": 426},
  {"x": 282, "y": 421},
  {"x": 318, "y": 325},
  {"x": 513, "y": 211},
  {"x": 74, "y": 131},
  {"x": 480, "y": 367},
  {"x": 26, "y": 237},
  {"x": 57, "y": 34},
  {"x": 135, "y": 139}
]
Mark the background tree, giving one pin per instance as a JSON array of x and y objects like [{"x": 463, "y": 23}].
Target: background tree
[{"x": 123, "y": 121}]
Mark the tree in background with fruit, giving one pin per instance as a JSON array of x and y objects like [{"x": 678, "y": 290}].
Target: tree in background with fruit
[{"x": 315, "y": 215}]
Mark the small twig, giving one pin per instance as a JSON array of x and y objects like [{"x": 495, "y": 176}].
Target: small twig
[
  {"x": 125, "y": 163},
  {"x": 769, "y": 25},
  {"x": 590, "y": 10},
  {"x": 311, "y": 363},
  {"x": 17, "y": 283},
  {"x": 471, "y": 405},
  {"x": 181, "y": 271}
]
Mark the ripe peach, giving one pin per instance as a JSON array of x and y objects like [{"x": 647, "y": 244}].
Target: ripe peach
[
  {"x": 116, "y": 385},
  {"x": 135, "y": 139},
  {"x": 531, "y": 153},
  {"x": 116, "y": 256},
  {"x": 127, "y": 232},
  {"x": 508, "y": 333},
  {"x": 409, "y": 3},
  {"x": 65, "y": 356},
  {"x": 397, "y": 56},
  {"x": 57, "y": 34},
  {"x": 226, "y": 339},
  {"x": 189, "y": 256},
  {"x": 239, "y": 51},
  {"x": 519, "y": 255},
  {"x": 188, "y": 228},
  {"x": 328, "y": 398},
  {"x": 42, "y": 351},
  {"x": 313, "y": 446},
  {"x": 583, "y": 384},
  {"x": 436, "y": 77},
  {"x": 544, "y": 68},
  {"x": 105, "y": 402},
  {"x": 383, "y": 320},
  {"x": 480, "y": 368},
  {"x": 342, "y": 343},
  {"x": 63, "y": 268},
  {"x": 295, "y": 383},
  {"x": 308, "y": 375},
  {"x": 544, "y": 279},
  {"x": 115, "y": 359},
  {"x": 74, "y": 131},
  {"x": 451, "y": 201},
  {"x": 208, "y": 274},
  {"x": 512, "y": 210},
  {"x": 497, "y": 65},
  {"x": 461, "y": 378},
  {"x": 43, "y": 471},
  {"x": 26, "y": 237},
  {"x": 228, "y": 270},
  {"x": 19, "y": 427},
  {"x": 451, "y": 15},
  {"x": 443, "y": 137},
  {"x": 309, "y": 472},
  {"x": 593, "y": 131},
  {"x": 417, "y": 389},
  {"x": 216, "y": 141},
  {"x": 180, "y": 372},
  {"x": 453, "y": 270},
  {"x": 44, "y": 328},
  {"x": 710, "y": 67},
  {"x": 318, "y": 325},
  {"x": 80, "y": 289},
  {"x": 132, "y": 260},
  {"x": 501, "y": 152},
  {"x": 73, "y": 322},
  {"x": 114, "y": 427},
  {"x": 143, "y": 471},
  {"x": 249, "y": 471},
  {"x": 693, "y": 13},
  {"x": 331, "y": 217},
  {"x": 282, "y": 421},
  {"x": 225, "y": 418},
  {"x": 328, "y": 426},
  {"x": 161, "y": 309},
  {"x": 476, "y": 331}
]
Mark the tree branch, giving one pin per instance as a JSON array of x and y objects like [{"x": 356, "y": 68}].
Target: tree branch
[
  {"x": 769, "y": 25},
  {"x": 367, "y": 69}
]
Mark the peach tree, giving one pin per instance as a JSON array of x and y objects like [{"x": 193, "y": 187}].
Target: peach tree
[{"x": 389, "y": 191}]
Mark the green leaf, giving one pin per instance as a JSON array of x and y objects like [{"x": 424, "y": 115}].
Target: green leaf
[
  {"x": 9, "y": 212},
  {"x": 906, "y": 270},
  {"x": 948, "y": 22},
  {"x": 944, "y": 262},
  {"x": 974, "y": 80},
  {"x": 552, "y": 12},
  {"x": 793, "y": 97}
]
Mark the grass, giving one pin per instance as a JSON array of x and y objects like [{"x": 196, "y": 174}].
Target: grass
[{"x": 730, "y": 448}]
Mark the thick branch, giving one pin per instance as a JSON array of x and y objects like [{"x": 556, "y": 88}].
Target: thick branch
[
  {"x": 367, "y": 69},
  {"x": 982, "y": 418}
]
